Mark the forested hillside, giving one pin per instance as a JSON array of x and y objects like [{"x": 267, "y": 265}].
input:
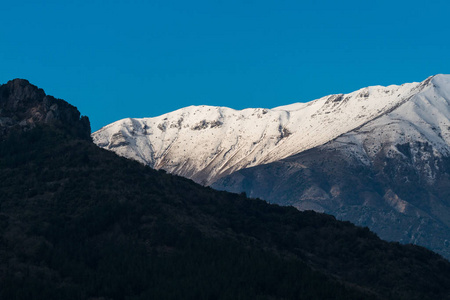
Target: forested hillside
[{"x": 79, "y": 222}]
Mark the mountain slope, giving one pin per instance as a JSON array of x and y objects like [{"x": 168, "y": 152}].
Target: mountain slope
[
  {"x": 205, "y": 143},
  {"x": 378, "y": 157},
  {"x": 391, "y": 174},
  {"x": 79, "y": 222}
]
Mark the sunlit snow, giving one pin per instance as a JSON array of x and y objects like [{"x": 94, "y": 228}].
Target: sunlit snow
[{"x": 206, "y": 142}]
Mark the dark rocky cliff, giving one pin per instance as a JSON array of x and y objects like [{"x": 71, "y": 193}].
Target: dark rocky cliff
[{"x": 23, "y": 106}]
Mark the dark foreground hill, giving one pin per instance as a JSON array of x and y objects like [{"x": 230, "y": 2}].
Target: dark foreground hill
[{"x": 79, "y": 222}]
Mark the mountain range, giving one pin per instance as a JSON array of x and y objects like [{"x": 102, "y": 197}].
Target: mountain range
[
  {"x": 378, "y": 157},
  {"x": 80, "y": 222}
]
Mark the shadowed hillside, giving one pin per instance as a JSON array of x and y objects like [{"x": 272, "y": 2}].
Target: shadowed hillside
[{"x": 79, "y": 222}]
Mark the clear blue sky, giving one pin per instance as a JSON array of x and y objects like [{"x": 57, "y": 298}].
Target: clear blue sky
[{"x": 118, "y": 59}]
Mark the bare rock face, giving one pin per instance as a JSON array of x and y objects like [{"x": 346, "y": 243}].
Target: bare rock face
[{"x": 23, "y": 106}]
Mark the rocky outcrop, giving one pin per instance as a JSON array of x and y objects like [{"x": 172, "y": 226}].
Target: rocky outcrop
[{"x": 23, "y": 106}]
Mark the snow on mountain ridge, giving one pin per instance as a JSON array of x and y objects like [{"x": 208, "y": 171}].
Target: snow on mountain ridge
[
  {"x": 205, "y": 143},
  {"x": 424, "y": 120}
]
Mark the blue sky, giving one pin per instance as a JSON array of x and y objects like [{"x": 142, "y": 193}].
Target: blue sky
[{"x": 119, "y": 59}]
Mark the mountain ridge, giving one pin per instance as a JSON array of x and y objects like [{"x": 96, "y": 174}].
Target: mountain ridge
[{"x": 206, "y": 148}]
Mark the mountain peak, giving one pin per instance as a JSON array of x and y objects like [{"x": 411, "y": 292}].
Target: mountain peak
[
  {"x": 19, "y": 90},
  {"x": 440, "y": 80},
  {"x": 24, "y": 106},
  {"x": 19, "y": 82}
]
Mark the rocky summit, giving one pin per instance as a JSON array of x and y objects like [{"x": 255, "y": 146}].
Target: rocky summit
[{"x": 23, "y": 106}]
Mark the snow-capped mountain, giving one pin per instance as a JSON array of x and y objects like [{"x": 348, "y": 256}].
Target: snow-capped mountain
[
  {"x": 379, "y": 157},
  {"x": 205, "y": 143},
  {"x": 391, "y": 174}
]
